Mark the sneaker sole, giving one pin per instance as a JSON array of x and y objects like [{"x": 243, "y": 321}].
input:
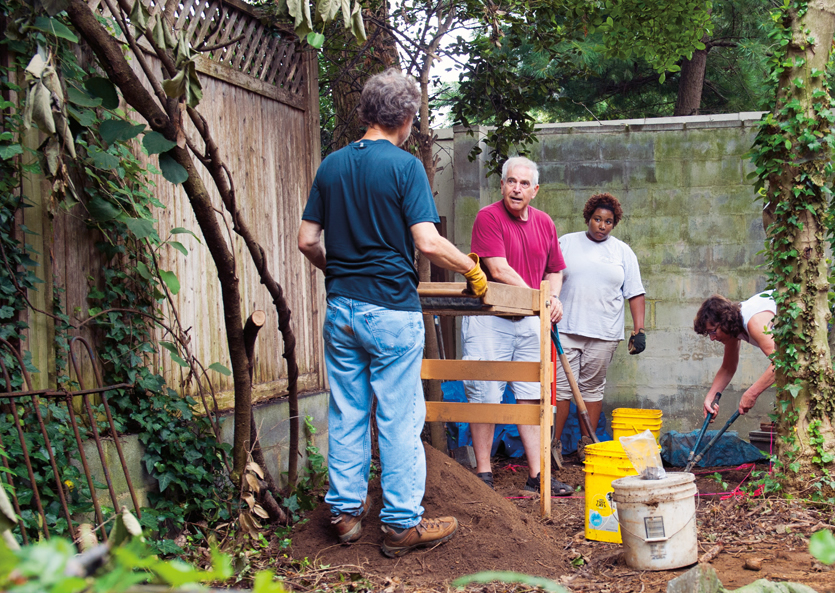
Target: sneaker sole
[{"x": 397, "y": 552}]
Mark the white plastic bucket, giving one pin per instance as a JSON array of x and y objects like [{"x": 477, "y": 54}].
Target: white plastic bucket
[{"x": 657, "y": 521}]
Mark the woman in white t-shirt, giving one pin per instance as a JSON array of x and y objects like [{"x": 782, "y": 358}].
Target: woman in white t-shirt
[
  {"x": 730, "y": 323},
  {"x": 601, "y": 275}
]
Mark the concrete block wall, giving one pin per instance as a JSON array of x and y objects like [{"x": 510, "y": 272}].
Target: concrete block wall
[{"x": 690, "y": 216}]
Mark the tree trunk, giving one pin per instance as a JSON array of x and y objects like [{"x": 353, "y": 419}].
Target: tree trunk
[
  {"x": 691, "y": 82},
  {"x": 376, "y": 55},
  {"x": 426, "y": 142},
  {"x": 794, "y": 163}
]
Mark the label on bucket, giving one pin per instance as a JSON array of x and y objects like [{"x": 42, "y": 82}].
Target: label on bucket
[
  {"x": 658, "y": 551},
  {"x": 601, "y": 517},
  {"x": 654, "y": 527}
]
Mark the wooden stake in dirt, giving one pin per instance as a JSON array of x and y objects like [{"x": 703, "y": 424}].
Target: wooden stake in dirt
[{"x": 712, "y": 553}]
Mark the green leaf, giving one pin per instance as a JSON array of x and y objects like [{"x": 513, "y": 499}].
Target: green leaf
[
  {"x": 156, "y": 143},
  {"x": 265, "y": 582},
  {"x": 316, "y": 40},
  {"x": 140, "y": 227},
  {"x": 170, "y": 347},
  {"x": 179, "y": 361},
  {"x": 171, "y": 169},
  {"x": 143, "y": 271},
  {"x": 8, "y": 151},
  {"x": 139, "y": 16},
  {"x": 103, "y": 160},
  {"x": 166, "y": 478},
  {"x": 216, "y": 366},
  {"x": 822, "y": 546},
  {"x": 81, "y": 98},
  {"x": 54, "y": 27},
  {"x": 171, "y": 281},
  {"x": 102, "y": 210},
  {"x": 103, "y": 89},
  {"x": 180, "y": 230},
  {"x": 112, "y": 130},
  {"x": 178, "y": 246},
  {"x": 509, "y": 577}
]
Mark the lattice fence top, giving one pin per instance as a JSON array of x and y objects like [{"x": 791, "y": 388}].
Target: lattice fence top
[{"x": 241, "y": 40}]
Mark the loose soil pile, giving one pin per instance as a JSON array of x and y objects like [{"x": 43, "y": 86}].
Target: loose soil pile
[{"x": 502, "y": 530}]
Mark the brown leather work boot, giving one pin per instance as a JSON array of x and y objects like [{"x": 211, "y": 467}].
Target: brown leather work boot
[
  {"x": 349, "y": 527},
  {"x": 426, "y": 533}
]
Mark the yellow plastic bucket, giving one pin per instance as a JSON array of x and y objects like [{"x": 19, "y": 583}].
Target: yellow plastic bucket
[
  {"x": 630, "y": 421},
  {"x": 605, "y": 462}
]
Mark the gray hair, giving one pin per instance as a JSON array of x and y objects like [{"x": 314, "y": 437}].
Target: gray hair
[
  {"x": 388, "y": 99},
  {"x": 520, "y": 161}
]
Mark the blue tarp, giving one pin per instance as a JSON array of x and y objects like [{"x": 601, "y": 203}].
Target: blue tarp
[
  {"x": 729, "y": 450},
  {"x": 458, "y": 433}
]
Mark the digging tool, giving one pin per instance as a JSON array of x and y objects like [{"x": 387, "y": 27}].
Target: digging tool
[
  {"x": 439, "y": 334},
  {"x": 582, "y": 412},
  {"x": 712, "y": 442},
  {"x": 708, "y": 418}
]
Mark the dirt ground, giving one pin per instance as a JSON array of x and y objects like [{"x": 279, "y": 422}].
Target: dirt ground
[{"x": 502, "y": 530}]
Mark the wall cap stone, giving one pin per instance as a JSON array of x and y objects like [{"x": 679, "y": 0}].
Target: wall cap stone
[{"x": 655, "y": 124}]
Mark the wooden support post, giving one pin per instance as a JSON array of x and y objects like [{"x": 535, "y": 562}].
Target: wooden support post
[{"x": 545, "y": 414}]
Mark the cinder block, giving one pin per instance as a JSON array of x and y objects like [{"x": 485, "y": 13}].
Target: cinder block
[{"x": 464, "y": 455}]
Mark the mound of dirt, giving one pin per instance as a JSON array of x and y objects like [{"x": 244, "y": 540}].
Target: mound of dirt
[{"x": 493, "y": 533}]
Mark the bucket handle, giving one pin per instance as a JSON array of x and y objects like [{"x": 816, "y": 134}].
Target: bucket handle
[{"x": 652, "y": 539}]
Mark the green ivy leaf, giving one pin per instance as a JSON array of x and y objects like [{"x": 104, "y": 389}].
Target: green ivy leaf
[
  {"x": 156, "y": 143},
  {"x": 216, "y": 366},
  {"x": 54, "y": 27},
  {"x": 140, "y": 227},
  {"x": 102, "y": 210},
  {"x": 103, "y": 89},
  {"x": 166, "y": 478},
  {"x": 113, "y": 130},
  {"x": 171, "y": 281},
  {"x": 171, "y": 169}
]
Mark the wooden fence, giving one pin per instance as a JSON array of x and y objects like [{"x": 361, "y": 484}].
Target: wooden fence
[{"x": 260, "y": 97}]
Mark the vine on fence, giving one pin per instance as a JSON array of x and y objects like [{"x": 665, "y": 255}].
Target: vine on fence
[{"x": 89, "y": 160}]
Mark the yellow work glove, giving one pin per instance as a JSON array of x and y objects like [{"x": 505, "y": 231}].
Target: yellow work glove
[{"x": 476, "y": 280}]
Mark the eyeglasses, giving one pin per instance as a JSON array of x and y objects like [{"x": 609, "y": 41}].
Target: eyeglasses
[{"x": 712, "y": 332}]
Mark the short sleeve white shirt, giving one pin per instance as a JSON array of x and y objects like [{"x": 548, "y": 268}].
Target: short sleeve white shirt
[{"x": 598, "y": 278}]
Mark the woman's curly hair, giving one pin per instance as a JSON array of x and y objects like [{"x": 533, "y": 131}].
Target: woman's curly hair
[
  {"x": 607, "y": 201},
  {"x": 721, "y": 312}
]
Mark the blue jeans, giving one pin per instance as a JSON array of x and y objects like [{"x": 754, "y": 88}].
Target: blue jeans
[{"x": 371, "y": 350}]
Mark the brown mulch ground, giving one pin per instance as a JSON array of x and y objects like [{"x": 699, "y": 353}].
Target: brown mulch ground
[{"x": 502, "y": 530}]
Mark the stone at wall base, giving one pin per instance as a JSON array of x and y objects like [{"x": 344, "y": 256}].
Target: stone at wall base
[{"x": 464, "y": 455}]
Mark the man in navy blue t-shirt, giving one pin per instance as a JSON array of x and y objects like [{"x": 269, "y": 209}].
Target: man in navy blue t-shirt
[{"x": 375, "y": 206}]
